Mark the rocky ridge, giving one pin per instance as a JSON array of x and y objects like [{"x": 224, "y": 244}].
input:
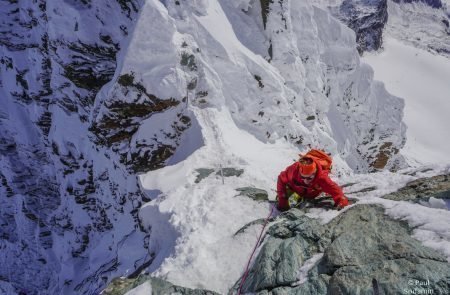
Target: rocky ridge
[{"x": 357, "y": 250}]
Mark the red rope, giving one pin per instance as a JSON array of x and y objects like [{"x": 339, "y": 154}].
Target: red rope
[{"x": 244, "y": 277}]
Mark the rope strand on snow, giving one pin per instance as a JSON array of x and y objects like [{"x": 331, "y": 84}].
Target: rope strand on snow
[{"x": 244, "y": 277}]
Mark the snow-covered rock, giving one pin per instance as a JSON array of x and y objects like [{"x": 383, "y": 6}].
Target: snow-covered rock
[
  {"x": 424, "y": 189},
  {"x": 366, "y": 17},
  {"x": 424, "y": 24},
  {"x": 146, "y": 285},
  {"x": 297, "y": 78},
  {"x": 421, "y": 23}
]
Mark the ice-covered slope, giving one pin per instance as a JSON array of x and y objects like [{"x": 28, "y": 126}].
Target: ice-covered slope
[
  {"x": 366, "y": 17},
  {"x": 422, "y": 79},
  {"x": 285, "y": 75},
  {"x": 411, "y": 65}
]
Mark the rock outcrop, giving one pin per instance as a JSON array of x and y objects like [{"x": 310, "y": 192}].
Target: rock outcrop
[
  {"x": 367, "y": 19},
  {"x": 423, "y": 189},
  {"x": 431, "y": 3},
  {"x": 422, "y": 23},
  {"x": 154, "y": 286},
  {"x": 360, "y": 250}
]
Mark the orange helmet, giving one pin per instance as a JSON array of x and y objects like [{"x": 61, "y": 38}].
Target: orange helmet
[{"x": 307, "y": 167}]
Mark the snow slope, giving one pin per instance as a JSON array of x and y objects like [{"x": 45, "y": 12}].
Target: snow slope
[
  {"x": 206, "y": 215},
  {"x": 304, "y": 94},
  {"x": 422, "y": 79}
]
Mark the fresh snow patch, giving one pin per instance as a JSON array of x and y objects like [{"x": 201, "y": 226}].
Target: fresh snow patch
[
  {"x": 435, "y": 203},
  {"x": 144, "y": 289},
  {"x": 323, "y": 215},
  {"x": 306, "y": 267}
]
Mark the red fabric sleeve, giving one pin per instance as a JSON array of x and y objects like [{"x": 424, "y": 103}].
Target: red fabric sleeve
[
  {"x": 330, "y": 187},
  {"x": 281, "y": 184},
  {"x": 285, "y": 178}
]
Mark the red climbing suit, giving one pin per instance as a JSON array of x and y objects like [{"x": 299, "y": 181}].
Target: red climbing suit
[{"x": 290, "y": 178}]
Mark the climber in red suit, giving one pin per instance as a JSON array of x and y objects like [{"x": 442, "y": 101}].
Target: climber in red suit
[{"x": 307, "y": 178}]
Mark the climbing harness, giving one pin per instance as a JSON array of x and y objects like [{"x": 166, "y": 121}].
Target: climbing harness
[{"x": 254, "y": 249}]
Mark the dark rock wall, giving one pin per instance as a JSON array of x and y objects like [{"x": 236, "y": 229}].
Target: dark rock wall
[
  {"x": 367, "y": 19},
  {"x": 432, "y": 3},
  {"x": 61, "y": 191}
]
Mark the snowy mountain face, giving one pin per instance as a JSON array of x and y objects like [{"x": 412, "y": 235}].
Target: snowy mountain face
[
  {"x": 367, "y": 18},
  {"x": 69, "y": 205},
  {"x": 422, "y": 23},
  {"x": 94, "y": 92},
  {"x": 297, "y": 79}
]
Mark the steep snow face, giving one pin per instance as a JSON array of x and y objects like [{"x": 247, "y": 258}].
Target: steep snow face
[
  {"x": 422, "y": 78},
  {"x": 366, "y": 17},
  {"x": 68, "y": 219},
  {"x": 418, "y": 76},
  {"x": 409, "y": 72},
  {"x": 421, "y": 24},
  {"x": 292, "y": 72}
]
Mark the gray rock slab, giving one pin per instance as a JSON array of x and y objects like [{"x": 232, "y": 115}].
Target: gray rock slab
[
  {"x": 121, "y": 286},
  {"x": 203, "y": 173},
  {"x": 422, "y": 189},
  {"x": 229, "y": 171},
  {"x": 398, "y": 276},
  {"x": 276, "y": 265},
  {"x": 361, "y": 246},
  {"x": 253, "y": 193}
]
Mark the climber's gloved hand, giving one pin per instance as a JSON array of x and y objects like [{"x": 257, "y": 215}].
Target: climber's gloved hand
[
  {"x": 282, "y": 203},
  {"x": 342, "y": 202}
]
